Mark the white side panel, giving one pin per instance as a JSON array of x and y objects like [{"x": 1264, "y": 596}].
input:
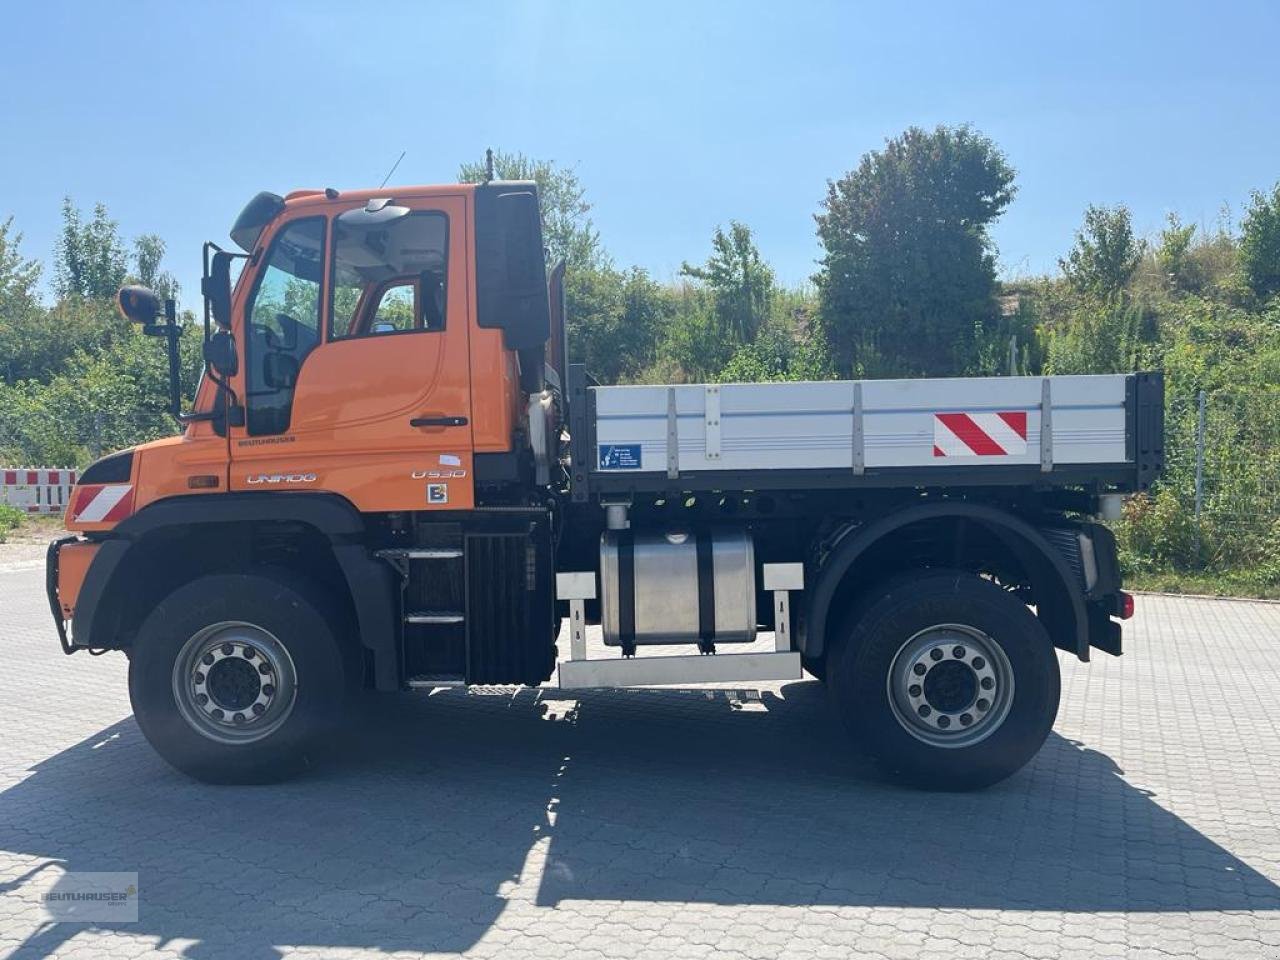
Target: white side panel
[
  {"x": 658, "y": 671},
  {"x": 810, "y": 425}
]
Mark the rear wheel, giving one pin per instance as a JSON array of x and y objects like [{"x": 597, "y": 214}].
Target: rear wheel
[
  {"x": 947, "y": 680},
  {"x": 235, "y": 677}
]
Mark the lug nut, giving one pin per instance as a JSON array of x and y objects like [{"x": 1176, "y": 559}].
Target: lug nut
[
  {"x": 238, "y": 718},
  {"x": 966, "y": 719},
  {"x": 250, "y": 653},
  {"x": 978, "y": 663},
  {"x": 207, "y": 659},
  {"x": 982, "y": 704},
  {"x": 944, "y": 722},
  {"x": 919, "y": 669},
  {"x": 986, "y": 683},
  {"x": 201, "y": 699},
  {"x": 218, "y": 714},
  {"x": 924, "y": 710},
  {"x": 228, "y": 649},
  {"x": 936, "y": 653},
  {"x": 958, "y": 652},
  {"x": 263, "y": 669},
  {"x": 259, "y": 709},
  {"x": 199, "y": 678},
  {"x": 913, "y": 690},
  {"x": 268, "y": 690}
]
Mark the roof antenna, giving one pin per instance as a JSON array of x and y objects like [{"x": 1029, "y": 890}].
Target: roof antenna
[
  {"x": 488, "y": 165},
  {"x": 392, "y": 170}
]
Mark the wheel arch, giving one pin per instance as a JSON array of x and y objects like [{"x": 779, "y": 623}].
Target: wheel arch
[
  {"x": 173, "y": 540},
  {"x": 853, "y": 568}
]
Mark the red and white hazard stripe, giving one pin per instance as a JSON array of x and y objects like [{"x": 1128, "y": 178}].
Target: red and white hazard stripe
[
  {"x": 1001, "y": 434},
  {"x": 102, "y": 503}
]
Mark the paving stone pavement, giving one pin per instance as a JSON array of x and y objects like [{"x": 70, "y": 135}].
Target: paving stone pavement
[{"x": 665, "y": 824}]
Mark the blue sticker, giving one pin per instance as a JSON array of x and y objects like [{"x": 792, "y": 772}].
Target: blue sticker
[{"x": 619, "y": 456}]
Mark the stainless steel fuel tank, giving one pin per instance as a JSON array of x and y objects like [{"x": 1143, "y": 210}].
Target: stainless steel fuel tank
[{"x": 674, "y": 596}]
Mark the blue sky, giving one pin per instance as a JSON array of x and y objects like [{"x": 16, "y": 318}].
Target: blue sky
[{"x": 676, "y": 116}]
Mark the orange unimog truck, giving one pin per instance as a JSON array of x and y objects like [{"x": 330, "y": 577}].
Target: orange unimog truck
[{"x": 391, "y": 478}]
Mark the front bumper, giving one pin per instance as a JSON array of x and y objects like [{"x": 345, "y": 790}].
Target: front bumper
[
  {"x": 51, "y": 572},
  {"x": 67, "y": 564}
]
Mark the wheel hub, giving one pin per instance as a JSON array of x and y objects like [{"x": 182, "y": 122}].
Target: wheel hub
[
  {"x": 234, "y": 682},
  {"x": 950, "y": 685}
]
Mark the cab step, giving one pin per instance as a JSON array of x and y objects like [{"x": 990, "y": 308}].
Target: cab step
[
  {"x": 429, "y": 681},
  {"x": 421, "y": 553},
  {"x": 434, "y": 616}
]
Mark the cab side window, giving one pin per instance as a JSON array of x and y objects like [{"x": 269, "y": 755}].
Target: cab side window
[
  {"x": 389, "y": 278},
  {"x": 283, "y": 324}
]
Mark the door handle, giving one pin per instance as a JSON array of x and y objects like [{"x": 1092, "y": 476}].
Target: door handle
[{"x": 438, "y": 422}]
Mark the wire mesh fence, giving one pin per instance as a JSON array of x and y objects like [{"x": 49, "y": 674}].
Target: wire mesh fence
[
  {"x": 75, "y": 438},
  {"x": 1217, "y": 507}
]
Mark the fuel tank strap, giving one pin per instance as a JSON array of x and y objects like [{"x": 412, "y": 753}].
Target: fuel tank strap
[
  {"x": 627, "y": 592},
  {"x": 706, "y": 594}
]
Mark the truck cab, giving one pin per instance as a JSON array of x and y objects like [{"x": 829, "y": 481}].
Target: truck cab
[{"x": 392, "y": 478}]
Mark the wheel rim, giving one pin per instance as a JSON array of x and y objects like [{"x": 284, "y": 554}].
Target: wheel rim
[
  {"x": 234, "y": 682},
  {"x": 950, "y": 685}
]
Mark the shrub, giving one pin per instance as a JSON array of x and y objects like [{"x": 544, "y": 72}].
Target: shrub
[{"x": 10, "y": 517}]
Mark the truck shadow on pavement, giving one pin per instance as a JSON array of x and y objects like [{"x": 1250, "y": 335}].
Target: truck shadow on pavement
[{"x": 436, "y": 814}]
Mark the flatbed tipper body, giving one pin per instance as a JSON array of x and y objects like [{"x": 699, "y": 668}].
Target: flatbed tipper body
[
  {"x": 1039, "y": 431},
  {"x": 392, "y": 478}
]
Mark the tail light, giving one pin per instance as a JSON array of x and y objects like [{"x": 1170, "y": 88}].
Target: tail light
[{"x": 1126, "y": 605}]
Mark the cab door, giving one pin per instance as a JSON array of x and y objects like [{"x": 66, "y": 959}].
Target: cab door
[{"x": 356, "y": 374}]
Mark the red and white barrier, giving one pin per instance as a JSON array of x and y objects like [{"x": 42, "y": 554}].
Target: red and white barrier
[{"x": 38, "y": 490}]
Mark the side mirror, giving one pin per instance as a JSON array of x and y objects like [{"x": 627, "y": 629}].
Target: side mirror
[
  {"x": 216, "y": 288},
  {"x": 138, "y": 304},
  {"x": 220, "y": 353}
]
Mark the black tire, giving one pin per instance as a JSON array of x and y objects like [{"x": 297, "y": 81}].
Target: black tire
[
  {"x": 816, "y": 668},
  {"x": 890, "y": 642},
  {"x": 284, "y": 612}
]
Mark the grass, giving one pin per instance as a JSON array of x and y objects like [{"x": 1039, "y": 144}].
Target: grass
[
  {"x": 16, "y": 525},
  {"x": 1238, "y": 583}
]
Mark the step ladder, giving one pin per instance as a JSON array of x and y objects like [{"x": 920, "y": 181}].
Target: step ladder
[{"x": 411, "y": 562}]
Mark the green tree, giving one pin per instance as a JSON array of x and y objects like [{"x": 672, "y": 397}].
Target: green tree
[
  {"x": 148, "y": 252},
  {"x": 1099, "y": 337},
  {"x": 18, "y": 275},
  {"x": 908, "y": 270},
  {"x": 91, "y": 258},
  {"x": 1105, "y": 255},
  {"x": 1173, "y": 255},
  {"x": 616, "y": 320},
  {"x": 567, "y": 229},
  {"x": 740, "y": 282},
  {"x": 694, "y": 349},
  {"x": 1260, "y": 243},
  {"x": 780, "y": 352}
]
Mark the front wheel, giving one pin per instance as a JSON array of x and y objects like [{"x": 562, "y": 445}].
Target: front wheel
[
  {"x": 948, "y": 681},
  {"x": 234, "y": 677}
]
